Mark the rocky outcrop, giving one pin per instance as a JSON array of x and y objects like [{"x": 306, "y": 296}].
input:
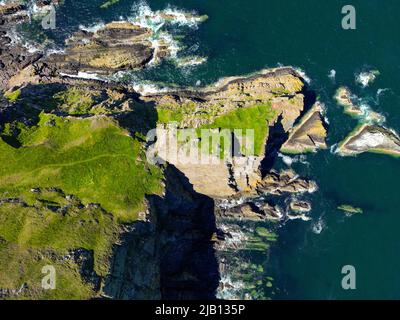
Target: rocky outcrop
[
  {"x": 300, "y": 206},
  {"x": 287, "y": 181},
  {"x": 370, "y": 138},
  {"x": 249, "y": 212},
  {"x": 13, "y": 57},
  {"x": 347, "y": 100},
  {"x": 281, "y": 88},
  {"x": 309, "y": 134},
  {"x": 117, "y": 46}
]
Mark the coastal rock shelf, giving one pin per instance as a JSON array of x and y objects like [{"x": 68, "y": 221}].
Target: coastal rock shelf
[{"x": 117, "y": 46}]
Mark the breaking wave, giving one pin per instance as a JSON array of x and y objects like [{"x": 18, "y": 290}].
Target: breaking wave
[
  {"x": 365, "y": 78},
  {"x": 318, "y": 226},
  {"x": 144, "y": 17},
  {"x": 332, "y": 74},
  {"x": 302, "y": 74}
]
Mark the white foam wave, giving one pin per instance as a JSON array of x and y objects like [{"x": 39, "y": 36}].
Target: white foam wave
[
  {"x": 365, "y": 78},
  {"x": 92, "y": 28},
  {"x": 145, "y": 17},
  {"x": 146, "y": 87},
  {"x": 303, "y": 217},
  {"x": 333, "y": 148},
  {"x": 230, "y": 203},
  {"x": 288, "y": 160},
  {"x": 84, "y": 75},
  {"x": 155, "y": 20},
  {"x": 332, "y": 74},
  {"x": 303, "y": 75},
  {"x": 318, "y": 226}
]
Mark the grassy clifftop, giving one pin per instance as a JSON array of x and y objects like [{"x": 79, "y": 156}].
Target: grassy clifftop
[
  {"x": 91, "y": 158},
  {"x": 66, "y": 184}
]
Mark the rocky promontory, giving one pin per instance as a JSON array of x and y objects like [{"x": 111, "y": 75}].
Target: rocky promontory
[
  {"x": 170, "y": 250},
  {"x": 279, "y": 90}
]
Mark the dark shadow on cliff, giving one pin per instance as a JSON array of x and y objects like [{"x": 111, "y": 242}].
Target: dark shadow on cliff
[
  {"x": 276, "y": 138},
  {"x": 170, "y": 256},
  {"x": 141, "y": 119},
  {"x": 32, "y": 100},
  {"x": 185, "y": 225},
  {"x": 310, "y": 98}
]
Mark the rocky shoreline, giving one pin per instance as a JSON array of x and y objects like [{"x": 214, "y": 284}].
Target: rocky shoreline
[
  {"x": 174, "y": 252},
  {"x": 182, "y": 242}
]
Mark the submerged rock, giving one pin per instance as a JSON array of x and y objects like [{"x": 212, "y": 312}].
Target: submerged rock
[
  {"x": 350, "y": 209},
  {"x": 308, "y": 135},
  {"x": 370, "y": 138}
]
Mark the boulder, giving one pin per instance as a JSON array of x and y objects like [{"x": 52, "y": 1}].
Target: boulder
[{"x": 300, "y": 206}]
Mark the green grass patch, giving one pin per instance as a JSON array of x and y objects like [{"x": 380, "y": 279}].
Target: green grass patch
[
  {"x": 91, "y": 158},
  {"x": 254, "y": 118},
  {"x": 61, "y": 167},
  {"x": 13, "y": 96},
  {"x": 75, "y": 101},
  {"x": 265, "y": 233}
]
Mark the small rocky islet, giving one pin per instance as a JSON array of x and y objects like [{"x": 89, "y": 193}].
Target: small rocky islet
[{"x": 174, "y": 234}]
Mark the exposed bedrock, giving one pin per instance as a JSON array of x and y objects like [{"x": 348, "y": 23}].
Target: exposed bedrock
[
  {"x": 370, "y": 138},
  {"x": 280, "y": 88},
  {"x": 309, "y": 134},
  {"x": 117, "y": 46}
]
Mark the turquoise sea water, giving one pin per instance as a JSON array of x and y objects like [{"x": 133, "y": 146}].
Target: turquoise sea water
[{"x": 241, "y": 37}]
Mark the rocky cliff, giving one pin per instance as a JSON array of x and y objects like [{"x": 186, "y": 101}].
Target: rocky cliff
[{"x": 173, "y": 250}]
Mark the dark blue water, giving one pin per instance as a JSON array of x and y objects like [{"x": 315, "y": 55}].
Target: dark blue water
[{"x": 241, "y": 37}]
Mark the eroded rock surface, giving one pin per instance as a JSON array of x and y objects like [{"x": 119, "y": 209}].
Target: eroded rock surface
[
  {"x": 348, "y": 101},
  {"x": 13, "y": 56},
  {"x": 285, "y": 182},
  {"x": 370, "y": 138},
  {"x": 117, "y": 46},
  {"x": 282, "y": 88},
  {"x": 309, "y": 134},
  {"x": 300, "y": 206}
]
